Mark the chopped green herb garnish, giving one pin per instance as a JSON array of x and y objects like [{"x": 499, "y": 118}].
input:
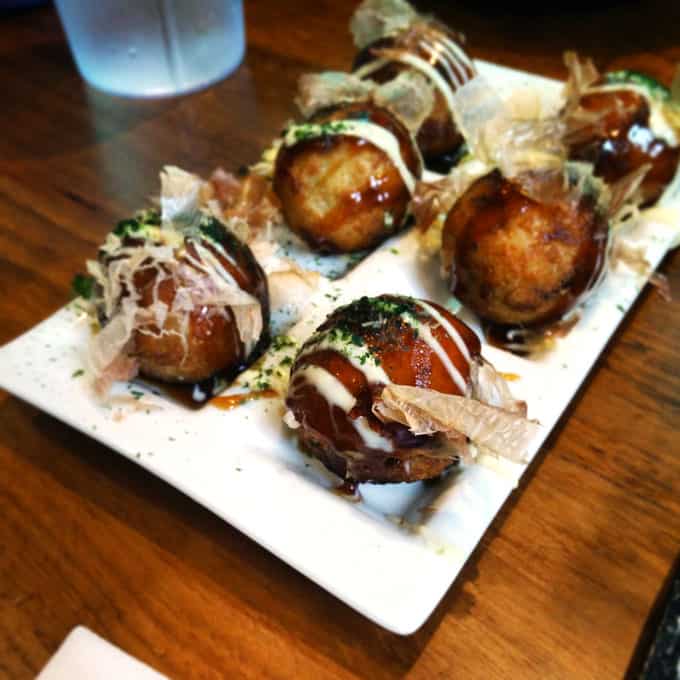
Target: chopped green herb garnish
[
  {"x": 621, "y": 309},
  {"x": 312, "y": 130},
  {"x": 78, "y": 373},
  {"x": 150, "y": 216},
  {"x": 136, "y": 394},
  {"x": 367, "y": 321},
  {"x": 651, "y": 85},
  {"x": 125, "y": 227},
  {"x": 281, "y": 342},
  {"x": 136, "y": 224},
  {"x": 213, "y": 229},
  {"x": 83, "y": 286}
]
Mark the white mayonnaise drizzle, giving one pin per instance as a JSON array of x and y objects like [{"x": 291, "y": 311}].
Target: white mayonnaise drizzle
[
  {"x": 358, "y": 355},
  {"x": 455, "y": 52},
  {"x": 336, "y": 394},
  {"x": 450, "y": 330},
  {"x": 425, "y": 333},
  {"x": 377, "y": 135},
  {"x": 443, "y": 50},
  {"x": 328, "y": 386},
  {"x": 371, "y": 438},
  {"x": 419, "y": 64},
  {"x": 453, "y": 69}
]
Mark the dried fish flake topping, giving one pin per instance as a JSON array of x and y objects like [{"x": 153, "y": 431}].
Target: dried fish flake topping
[
  {"x": 486, "y": 420},
  {"x": 320, "y": 90},
  {"x": 248, "y": 206},
  {"x": 490, "y": 429},
  {"x": 180, "y": 196},
  {"x": 410, "y": 97},
  {"x": 498, "y": 138},
  {"x": 375, "y": 19},
  {"x": 180, "y": 248}
]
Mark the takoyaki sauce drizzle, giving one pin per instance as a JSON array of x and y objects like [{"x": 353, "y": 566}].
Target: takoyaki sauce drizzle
[
  {"x": 349, "y": 490},
  {"x": 527, "y": 341},
  {"x": 231, "y": 401},
  {"x": 195, "y": 395},
  {"x": 192, "y": 395}
]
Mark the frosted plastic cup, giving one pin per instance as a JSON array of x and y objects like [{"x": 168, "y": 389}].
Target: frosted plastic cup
[{"x": 154, "y": 48}]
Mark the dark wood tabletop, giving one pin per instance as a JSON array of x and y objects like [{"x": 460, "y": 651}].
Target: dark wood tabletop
[{"x": 563, "y": 582}]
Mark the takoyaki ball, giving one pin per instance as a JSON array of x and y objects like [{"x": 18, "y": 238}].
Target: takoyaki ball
[
  {"x": 442, "y": 49},
  {"x": 343, "y": 368},
  {"x": 196, "y": 338},
  {"x": 342, "y": 193},
  {"x": 515, "y": 261},
  {"x": 621, "y": 141}
]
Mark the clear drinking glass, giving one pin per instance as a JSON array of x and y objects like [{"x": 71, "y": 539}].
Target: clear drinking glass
[{"x": 151, "y": 48}]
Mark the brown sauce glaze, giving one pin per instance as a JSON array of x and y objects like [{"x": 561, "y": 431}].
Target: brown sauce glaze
[
  {"x": 213, "y": 351},
  {"x": 621, "y": 141},
  {"x": 517, "y": 262},
  {"x": 336, "y": 190},
  {"x": 383, "y": 341}
]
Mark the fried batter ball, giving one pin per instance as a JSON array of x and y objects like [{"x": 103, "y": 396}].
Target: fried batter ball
[
  {"x": 620, "y": 140},
  {"x": 517, "y": 260},
  {"x": 437, "y": 46},
  {"x": 342, "y": 369},
  {"x": 194, "y": 304},
  {"x": 342, "y": 192}
]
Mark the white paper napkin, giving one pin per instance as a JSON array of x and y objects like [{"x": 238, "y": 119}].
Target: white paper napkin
[{"x": 83, "y": 655}]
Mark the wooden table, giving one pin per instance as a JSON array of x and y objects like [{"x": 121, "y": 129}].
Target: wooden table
[{"x": 563, "y": 581}]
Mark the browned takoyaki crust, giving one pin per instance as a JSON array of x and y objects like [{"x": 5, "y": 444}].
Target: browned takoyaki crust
[
  {"x": 621, "y": 141},
  {"x": 516, "y": 261},
  {"x": 340, "y": 192},
  {"x": 438, "y": 134},
  {"x": 209, "y": 344},
  {"x": 353, "y": 346}
]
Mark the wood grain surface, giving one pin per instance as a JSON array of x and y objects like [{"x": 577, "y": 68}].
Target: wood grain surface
[{"x": 562, "y": 583}]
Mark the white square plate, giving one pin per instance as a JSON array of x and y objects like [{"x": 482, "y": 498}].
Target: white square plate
[{"x": 393, "y": 555}]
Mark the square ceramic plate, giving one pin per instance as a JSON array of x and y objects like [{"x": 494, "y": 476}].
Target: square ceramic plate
[{"x": 393, "y": 555}]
